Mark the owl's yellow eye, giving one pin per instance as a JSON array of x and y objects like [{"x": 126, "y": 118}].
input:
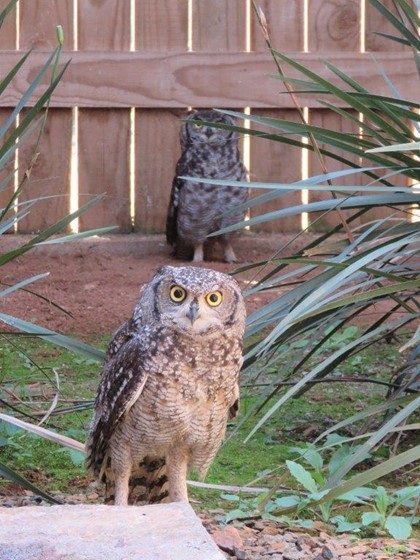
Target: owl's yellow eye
[
  {"x": 214, "y": 298},
  {"x": 177, "y": 294},
  {"x": 197, "y": 125}
]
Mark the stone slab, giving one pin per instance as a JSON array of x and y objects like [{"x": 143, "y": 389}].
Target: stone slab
[{"x": 93, "y": 532}]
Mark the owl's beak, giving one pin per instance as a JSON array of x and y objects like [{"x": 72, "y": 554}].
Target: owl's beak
[{"x": 192, "y": 312}]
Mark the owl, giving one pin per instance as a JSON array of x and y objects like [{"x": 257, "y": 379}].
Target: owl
[
  {"x": 196, "y": 209},
  {"x": 168, "y": 386}
]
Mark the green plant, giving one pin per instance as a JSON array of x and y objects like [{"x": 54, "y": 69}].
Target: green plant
[
  {"x": 370, "y": 263},
  {"x": 384, "y": 505},
  {"x": 12, "y": 136},
  {"x": 366, "y": 507}
]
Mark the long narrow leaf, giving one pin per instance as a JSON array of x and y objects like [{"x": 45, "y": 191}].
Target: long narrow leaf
[
  {"x": 24, "y": 100},
  {"x": 412, "y": 39},
  {"x": 409, "y": 146},
  {"x": 384, "y": 468},
  {"x": 370, "y": 411},
  {"x": 361, "y": 453},
  {"x": 23, "y": 283},
  {"x": 312, "y": 374},
  {"x": 6, "y": 10},
  {"x": 53, "y": 337},
  {"x": 48, "y": 232},
  {"x": 324, "y": 205},
  {"x": 13, "y": 476},
  {"x": 77, "y": 236},
  {"x": 7, "y": 79},
  {"x": 44, "y": 433}
]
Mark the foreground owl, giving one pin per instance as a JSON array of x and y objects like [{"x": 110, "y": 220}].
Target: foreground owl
[
  {"x": 196, "y": 209},
  {"x": 169, "y": 384}
]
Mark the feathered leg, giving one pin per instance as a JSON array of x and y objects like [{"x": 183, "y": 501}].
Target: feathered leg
[
  {"x": 121, "y": 488},
  {"x": 229, "y": 253},
  {"x": 198, "y": 253},
  {"x": 121, "y": 467},
  {"x": 177, "y": 468}
]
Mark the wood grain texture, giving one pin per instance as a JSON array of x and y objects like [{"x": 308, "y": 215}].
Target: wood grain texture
[
  {"x": 6, "y": 172},
  {"x": 38, "y": 20},
  {"x": 219, "y": 26},
  {"x": 157, "y": 151},
  {"x": 51, "y": 173},
  {"x": 104, "y": 135},
  {"x": 160, "y": 79},
  {"x": 104, "y": 168},
  {"x": 376, "y": 22},
  {"x": 332, "y": 25},
  {"x": 157, "y": 146},
  {"x": 103, "y": 25},
  {"x": 285, "y": 26},
  {"x": 179, "y": 79},
  {"x": 7, "y": 41},
  {"x": 375, "y": 43},
  {"x": 8, "y": 30},
  {"x": 161, "y": 24},
  {"x": 50, "y": 176},
  {"x": 275, "y": 161},
  {"x": 328, "y": 120}
]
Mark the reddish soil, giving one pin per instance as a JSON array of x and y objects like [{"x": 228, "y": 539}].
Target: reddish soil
[{"x": 97, "y": 280}]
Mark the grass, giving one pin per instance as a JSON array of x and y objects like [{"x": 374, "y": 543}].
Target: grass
[{"x": 30, "y": 374}]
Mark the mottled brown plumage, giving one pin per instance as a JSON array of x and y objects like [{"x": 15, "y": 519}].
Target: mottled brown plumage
[
  {"x": 169, "y": 384},
  {"x": 196, "y": 209}
]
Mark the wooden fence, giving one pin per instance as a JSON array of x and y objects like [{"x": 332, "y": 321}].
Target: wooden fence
[{"x": 137, "y": 64}]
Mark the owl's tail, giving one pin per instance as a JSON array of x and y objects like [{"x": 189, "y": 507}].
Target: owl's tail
[{"x": 148, "y": 483}]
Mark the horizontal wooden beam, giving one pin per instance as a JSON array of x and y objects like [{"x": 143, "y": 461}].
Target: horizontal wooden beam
[{"x": 199, "y": 79}]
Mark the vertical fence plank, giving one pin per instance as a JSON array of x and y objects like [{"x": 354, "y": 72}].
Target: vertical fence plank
[
  {"x": 104, "y": 134},
  {"x": 375, "y": 22},
  {"x": 50, "y": 176},
  {"x": 161, "y": 25},
  {"x": 332, "y": 26},
  {"x": 274, "y": 161},
  {"x": 7, "y": 42},
  {"x": 219, "y": 26}
]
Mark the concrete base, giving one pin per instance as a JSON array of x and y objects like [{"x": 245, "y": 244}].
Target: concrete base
[{"x": 92, "y": 532}]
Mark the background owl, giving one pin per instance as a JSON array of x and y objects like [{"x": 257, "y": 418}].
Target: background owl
[
  {"x": 195, "y": 209},
  {"x": 169, "y": 384}
]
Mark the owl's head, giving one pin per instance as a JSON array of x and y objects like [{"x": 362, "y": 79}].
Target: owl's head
[
  {"x": 196, "y": 301},
  {"x": 194, "y": 133}
]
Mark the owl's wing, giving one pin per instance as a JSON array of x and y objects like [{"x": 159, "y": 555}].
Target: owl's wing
[
  {"x": 126, "y": 331},
  {"x": 172, "y": 217},
  {"x": 121, "y": 336},
  {"x": 122, "y": 382}
]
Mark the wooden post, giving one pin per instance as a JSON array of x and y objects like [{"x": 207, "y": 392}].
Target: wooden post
[
  {"x": 332, "y": 26},
  {"x": 162, "y": 25},
  {"x": 274, "y": 161},
  {"x": 104, "y": 134},
  {"x": 50, "y": 175}
]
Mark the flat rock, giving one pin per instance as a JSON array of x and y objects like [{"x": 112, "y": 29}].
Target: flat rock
[{"x": 89, "y": 532}]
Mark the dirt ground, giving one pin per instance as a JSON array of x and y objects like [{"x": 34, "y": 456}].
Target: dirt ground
[{"x": 97, "y": 282}]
